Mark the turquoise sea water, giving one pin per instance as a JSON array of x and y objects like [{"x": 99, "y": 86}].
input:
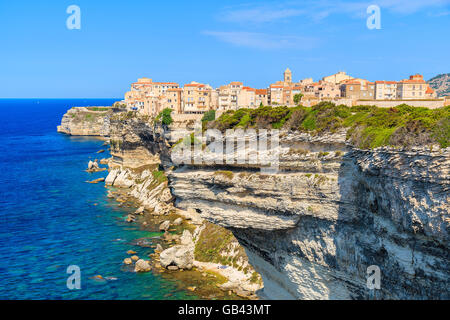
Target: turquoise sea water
[{"x": 50, "y": 218}]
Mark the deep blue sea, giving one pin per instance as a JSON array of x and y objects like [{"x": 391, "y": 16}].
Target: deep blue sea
[{"x": 50, "y": 218}]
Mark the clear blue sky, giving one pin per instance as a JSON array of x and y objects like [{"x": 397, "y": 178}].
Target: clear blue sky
[{"x": 212, "y": 42}]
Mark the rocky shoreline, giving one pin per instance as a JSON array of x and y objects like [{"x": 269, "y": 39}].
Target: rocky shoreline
[
  {"x": 182, "y": 229},
  {"x": 311, "y": 230}
]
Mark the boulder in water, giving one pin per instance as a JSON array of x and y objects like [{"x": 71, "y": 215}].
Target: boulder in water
[
  {"x": 96, "y": 180},
  {"x": 179, "y": 255},
  {"x": 164, "y": 226},
  {"x": 140, "y": 210},
  {"x": 142, "y": 266}
]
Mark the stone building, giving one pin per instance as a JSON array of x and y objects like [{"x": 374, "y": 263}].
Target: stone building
[
  {"x": 413, "y": 88},
  {"x": 197, "y": 98}
]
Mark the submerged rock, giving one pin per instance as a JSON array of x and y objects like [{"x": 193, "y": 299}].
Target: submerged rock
[{"x": 96, "y": 181}]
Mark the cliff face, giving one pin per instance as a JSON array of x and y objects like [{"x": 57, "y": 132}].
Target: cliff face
[
  {"x": 80, "y": 121},
  {"x": 140, "y": 151},
  {"x": 314, "y": 228}
]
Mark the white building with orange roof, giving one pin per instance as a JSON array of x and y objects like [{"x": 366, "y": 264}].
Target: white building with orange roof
[
  {"x": 228, "y": 96},
  {"x": 385, "y": 90},
  {"x": 261, "y": 97},
  {"x": 247, "y": 98},
  {"x": 197, "y": 98},
  {"x": 173, "y": 99},
  {"x": 276, "y": 94},
  {"x": 147, "y": 96},
  {"x": 413, "y": 88}
]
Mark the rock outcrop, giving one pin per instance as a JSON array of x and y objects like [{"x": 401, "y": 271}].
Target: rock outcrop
[
  {"x": 313, "y": 229},
  {"x": 142, "y": 266},
  {"x": 84, "y": 121},
  {"x": 181, "y": 256}
]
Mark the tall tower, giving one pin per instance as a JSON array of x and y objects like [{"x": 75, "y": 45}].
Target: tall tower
[{"x": 288, "y": 76}]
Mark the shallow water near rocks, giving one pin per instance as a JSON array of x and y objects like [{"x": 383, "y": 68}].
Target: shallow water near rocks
[{"x": 51, "y": 219}]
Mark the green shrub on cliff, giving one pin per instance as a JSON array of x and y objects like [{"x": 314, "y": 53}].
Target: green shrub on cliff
[
  {"x": 165, "y": 117},
  {"x": 214, "y": 245},
  {"x": 367, "y": 126},
  {"x": 209, "y": 116}
]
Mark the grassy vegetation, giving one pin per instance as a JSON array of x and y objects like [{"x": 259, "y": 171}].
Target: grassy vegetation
[
  {"x": 212, "y": 242},
  {"x": 125, "y": 116},
  {"x": 226, "y": 174},
  {"x": 98, "y": 108},
  {"x": 367, "y": 126},
  {"x": 165, "y": 117},
  {"x": 159, "y": 176},
  {"x": 209, "y": 116}
]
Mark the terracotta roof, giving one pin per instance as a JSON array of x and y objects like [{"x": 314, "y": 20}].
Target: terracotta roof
[
  {"x": 352, "y": 82},
  {"x": 261, "y": 91},
  {"x": 386, "y": 82},
  {"x": 429, "y": 90},
  {"x": 412, "y": 81},
  {"x": 236, "y": 83},
  {"x": 194, "y": 85}
]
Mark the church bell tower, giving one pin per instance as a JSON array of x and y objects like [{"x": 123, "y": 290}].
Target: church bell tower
[{"x": 288, "y": 76}]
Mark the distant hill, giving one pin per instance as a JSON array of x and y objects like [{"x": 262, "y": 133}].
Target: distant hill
[{"x": 441, "y": 83}]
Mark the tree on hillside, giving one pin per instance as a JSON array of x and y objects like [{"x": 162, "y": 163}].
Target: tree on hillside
[
  {"x": 209, "y": 116},
  {"x": 298, "y": 97},
  {"x": 165, "y": 117}
]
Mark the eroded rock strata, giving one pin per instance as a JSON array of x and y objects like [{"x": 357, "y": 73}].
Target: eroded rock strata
[
  {"x": 140, "y": 152},
  {"x": 312, "y": 229},
  {"x": 82, "y": 121}
]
